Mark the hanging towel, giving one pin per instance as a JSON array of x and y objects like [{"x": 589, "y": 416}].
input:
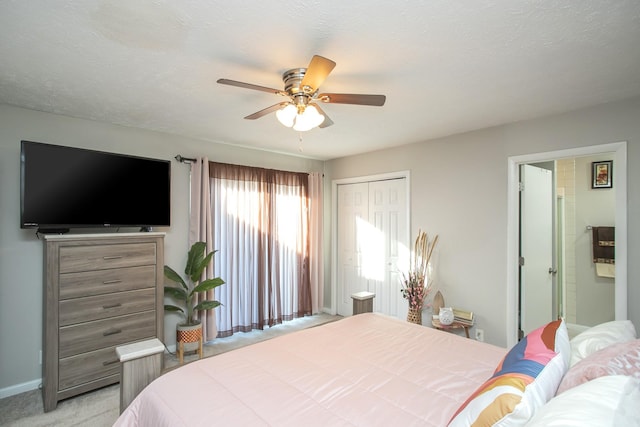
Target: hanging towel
[
  {"x": 605, "y": 270},
  {"x": 604, "y": 246}
]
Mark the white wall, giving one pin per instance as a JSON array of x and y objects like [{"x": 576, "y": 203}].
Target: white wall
[
  {"x": 459, "y": 191},
  {"x": 21, "y": 253}
]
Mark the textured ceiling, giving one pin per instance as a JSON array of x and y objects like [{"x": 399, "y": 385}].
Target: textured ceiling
[{"x": 445, "y": 66}]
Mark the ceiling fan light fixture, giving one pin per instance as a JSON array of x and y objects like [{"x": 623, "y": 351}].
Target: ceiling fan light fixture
[
  {"x": 287, "y": 115},
  {"x": 301, "y": 87},
  {"x": 309, "y": 119}
]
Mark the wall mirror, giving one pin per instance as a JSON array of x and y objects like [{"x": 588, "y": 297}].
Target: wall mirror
[{"x": 566, "y": 283}]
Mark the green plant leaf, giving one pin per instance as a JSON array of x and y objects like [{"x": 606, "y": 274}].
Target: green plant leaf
[
  {"x": 196, "y": 263},
  {"x": 194, "y": 257},
  {"x": 199, "y": 266},
  {"x": 207, "y": 305},
  {"x": 208, "y": 285},
  {"x": 171, "y": 274},
  {"x": 168, "y": 307},
  {"x": 177, "y": 293}
]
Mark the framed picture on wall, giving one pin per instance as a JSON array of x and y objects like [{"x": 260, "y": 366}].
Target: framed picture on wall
[{"x": 602, "y": 174}]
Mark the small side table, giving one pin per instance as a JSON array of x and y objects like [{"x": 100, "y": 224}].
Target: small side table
[
  {"x": 181, "y": 349},
  {"x": 362, "y": 302},
  {"x": 455, "y": 325},
  {"x": 141, "y": 363}
]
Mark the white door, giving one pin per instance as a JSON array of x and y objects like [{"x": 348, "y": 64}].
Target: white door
[
  {"x": 353, "y": 208},
  {"x": 371, "y": 229},
  {"x": 387, "y": 215},
  {"x": 536, "y": 248}
]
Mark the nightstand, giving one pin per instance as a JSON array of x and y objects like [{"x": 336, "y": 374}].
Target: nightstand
[{"x": 362, "y": 302}]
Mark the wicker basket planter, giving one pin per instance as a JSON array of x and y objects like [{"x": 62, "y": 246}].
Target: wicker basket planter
[
  {"x": 414, "y": 316},
  {"x": 190, "y": 336}
]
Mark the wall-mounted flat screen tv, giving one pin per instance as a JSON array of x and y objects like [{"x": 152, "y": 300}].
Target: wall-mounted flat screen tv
[{"x": 65, "y": 187}]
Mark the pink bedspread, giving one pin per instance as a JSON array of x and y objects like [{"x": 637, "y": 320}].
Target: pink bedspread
[{"x": 364, "y": 370}]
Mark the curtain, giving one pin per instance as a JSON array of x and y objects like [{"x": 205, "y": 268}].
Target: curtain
[
  {"x": 201, "y": 230},
  {"x": 316, "y": 232},
  {"x": 262, "y": 231}
]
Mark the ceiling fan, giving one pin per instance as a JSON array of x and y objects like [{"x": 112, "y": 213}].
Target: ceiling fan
[{"x": 301, "y": 85}]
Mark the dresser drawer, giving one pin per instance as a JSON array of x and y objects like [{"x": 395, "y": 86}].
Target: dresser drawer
[
  {"x": 89, "y": 336},
  {"x": 85, "y": 309},
  {"x": 88, "y": 367},
  {"x": 101, "y": 257},
  {"x": 88, "y": 283}
]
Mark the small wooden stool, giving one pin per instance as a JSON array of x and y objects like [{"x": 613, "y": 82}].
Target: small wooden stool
[
  {"x": 141, "y": 363},
  {"x": 362, "y": 302},
  {"x": 181, "y": 350}
]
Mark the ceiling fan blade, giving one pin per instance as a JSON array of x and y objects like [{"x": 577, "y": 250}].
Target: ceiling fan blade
[
  {"x": 317, "y": 71},
  {"x": 266, "y": 111},
  {"x": 352, "y": 98},
  {"x": 327, "y": 121},
  {"x": 251, "y": 86}
]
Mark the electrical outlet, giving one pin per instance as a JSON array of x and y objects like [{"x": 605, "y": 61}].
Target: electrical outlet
[{"x": 479, "y": 334}]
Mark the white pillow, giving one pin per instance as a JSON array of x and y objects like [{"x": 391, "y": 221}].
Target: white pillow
[
  {"x": 608, "y": 401},
  {"x": 563, "y": 344},
  {"x": 599, "y": 337}
]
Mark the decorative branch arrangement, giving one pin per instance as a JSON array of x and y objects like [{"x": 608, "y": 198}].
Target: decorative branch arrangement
[
  {"x": 416, "y": 285},
  {"x": 423, "y": 252}
]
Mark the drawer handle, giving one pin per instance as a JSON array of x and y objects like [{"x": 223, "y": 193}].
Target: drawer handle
[
  {"x": 111, "y": 282},
  {"x": 111, "y": 306},
  {"x": 107, "y": 258},
  {"x": 110, "y": 362},
  {"x": 111, "y": 332}
]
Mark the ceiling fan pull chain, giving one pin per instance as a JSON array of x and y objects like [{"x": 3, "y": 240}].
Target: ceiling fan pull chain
[{"x": 300, "y": 140}]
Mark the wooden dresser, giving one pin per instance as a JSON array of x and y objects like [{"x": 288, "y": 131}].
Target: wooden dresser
[{"x": 100, "y": 291}]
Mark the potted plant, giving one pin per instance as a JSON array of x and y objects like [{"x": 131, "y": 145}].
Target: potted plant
[{"x": 190, "y": 331}]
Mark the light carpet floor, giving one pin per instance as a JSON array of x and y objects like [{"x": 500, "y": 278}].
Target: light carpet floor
[{"x": 100, "y": 408}]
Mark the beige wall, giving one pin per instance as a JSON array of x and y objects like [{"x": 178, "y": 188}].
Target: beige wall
[
  {"x": 459, "y": 191},
  {"x": 594, "y": 294},
  {"x": 21, "y": 252}
]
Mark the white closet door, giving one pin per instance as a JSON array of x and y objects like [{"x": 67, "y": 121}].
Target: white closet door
[
  {"x": 371, "y": 228},
  {"x": 353, "y": 206},
  {"x": 387, "y": 216}
]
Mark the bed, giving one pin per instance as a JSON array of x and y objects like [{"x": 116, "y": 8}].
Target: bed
[{"x": 371, "y": 370}]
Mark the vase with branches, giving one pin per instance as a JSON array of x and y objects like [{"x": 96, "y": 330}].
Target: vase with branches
[{"x": 417, "y": 283}]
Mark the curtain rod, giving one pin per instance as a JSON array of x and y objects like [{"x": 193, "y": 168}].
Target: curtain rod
[
  {"x": 191, "y": 160},
  {"x": 184, "y": 159}
]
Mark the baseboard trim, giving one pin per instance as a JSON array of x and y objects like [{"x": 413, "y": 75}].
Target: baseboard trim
[
  {"x": 20, "y": 388},
  {"x": 329, "y": 310}
]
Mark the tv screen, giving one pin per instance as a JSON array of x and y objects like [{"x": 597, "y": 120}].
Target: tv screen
[{"x": 65, "y": 187}]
